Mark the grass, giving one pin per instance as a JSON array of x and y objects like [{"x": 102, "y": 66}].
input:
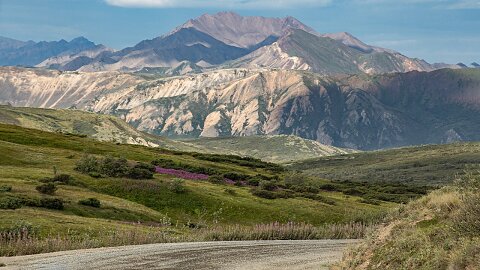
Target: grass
[
  {"x": 100, "y": 127},
  {"x": 431, "y": 165},
  {"x": 279, "y": 148},
  {"x": 438, "y": 231},
  {"x": 146, "y": 211}
]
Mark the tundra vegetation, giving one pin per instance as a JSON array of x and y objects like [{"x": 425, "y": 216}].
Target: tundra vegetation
[
  {"x": 438, "y": 231},
  {"x": 94, "y": 194}
]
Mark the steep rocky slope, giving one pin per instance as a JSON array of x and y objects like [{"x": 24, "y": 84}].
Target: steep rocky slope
[
  {"x": 300, "y": 50},
  {"x": 354, "y": 111}
]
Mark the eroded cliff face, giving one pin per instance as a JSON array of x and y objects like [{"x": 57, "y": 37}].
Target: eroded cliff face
[{"x": 358, "y": 112}]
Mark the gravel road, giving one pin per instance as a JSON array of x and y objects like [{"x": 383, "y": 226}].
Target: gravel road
[{"x": 314, "y": 254}]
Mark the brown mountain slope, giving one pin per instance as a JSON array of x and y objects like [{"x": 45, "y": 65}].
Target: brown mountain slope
[{"x": 357, "y": 111}]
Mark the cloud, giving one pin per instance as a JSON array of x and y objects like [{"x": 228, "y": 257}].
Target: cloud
[
  {"x": 270, "y": 4},
  {"x": 465, "y": 4}
]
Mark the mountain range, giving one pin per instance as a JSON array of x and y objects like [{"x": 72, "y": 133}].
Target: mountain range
[
  {"x": 222, "y": 40},
  {"x": 351, "y": 111},
  {"x": 225, "y": 75}
]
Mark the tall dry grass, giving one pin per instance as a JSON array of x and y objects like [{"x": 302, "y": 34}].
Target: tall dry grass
[
  {"x": 24, "y": 241},
  {"x": 286, "y": 231}
]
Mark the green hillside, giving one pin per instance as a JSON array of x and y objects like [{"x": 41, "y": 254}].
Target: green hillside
[
  {"x": 425, "y": 165},
  {"x": 108, "y": 128},
  {"x": 438, "y": 231},
  {"x": 278, "y": 148},
  {"x": 101, "y": 127},
  {"x": 163, "y": 208}
]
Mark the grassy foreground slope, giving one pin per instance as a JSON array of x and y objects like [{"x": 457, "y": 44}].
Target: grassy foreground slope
[
  {"x": 424, "y": 165},
  {"x": 139, "y": 211},
  {"x": 438, "y": 231}
]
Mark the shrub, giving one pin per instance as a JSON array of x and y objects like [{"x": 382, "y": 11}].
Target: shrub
[
  {"x": 216, "y": 179},
  {"x": 467, "y": 220},
  {"x": 94, "y": 174},
  {"x": 5, "y": 188},
  {"x": 87, "y": 164},
  {"x": 63, "y": 178},
  {"x": 48, "y": 188},
  {"x": 353, "y": 192},
  {"x": 267, "y": 185},
  {"x": 10, "y": 203},
  {"x": 145, "y": 166},
  {"x": 294, "y": 180},
  {"x": 236, "y": 176},
  {"x": 177, "y": 185},
  {"x": 114, "y": 167},
  {"x": 264, "y": 193},
  {"x": 166, "y": 163},
  {"x": 329, "y": 187},
  {"x": 255, "y": 181},
  {"x": 139, "y": 173},
  {"x": 51, "y": 203},
  {"x": 93, "y": 202}
]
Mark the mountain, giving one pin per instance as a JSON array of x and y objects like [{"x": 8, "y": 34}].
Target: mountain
[
  {"x": 8, "y": 43},
  {"x": 33, "y": 53},
  {"x": 353, "y": 42},
  {"x": 475, "y": 65},
  {"x": 243, "y": 31},
  {"x": 348, "y": 111},
  {"x": 74, "y": 60},
  {"x": 187, "y": 44},
  {"x": 221, "y": 40},
  {"x": 305, "y": 51}
]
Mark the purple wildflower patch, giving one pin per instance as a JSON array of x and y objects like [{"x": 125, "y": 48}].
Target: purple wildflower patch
[{"x": 182, "y": 174}]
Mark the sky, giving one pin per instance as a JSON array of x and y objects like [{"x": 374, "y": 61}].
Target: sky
[{"x": 434, "y": 30}]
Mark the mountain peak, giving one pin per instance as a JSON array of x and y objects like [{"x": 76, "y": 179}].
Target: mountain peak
[
  {"x": 351, "y": 41},
  {"x": 243, "y": 31}
]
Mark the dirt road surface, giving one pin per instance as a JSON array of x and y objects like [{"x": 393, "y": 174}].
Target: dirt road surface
[{"x": 251, "y": 255}]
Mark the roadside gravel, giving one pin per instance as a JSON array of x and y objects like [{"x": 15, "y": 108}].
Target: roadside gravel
[{"x": 263, "y": 255}]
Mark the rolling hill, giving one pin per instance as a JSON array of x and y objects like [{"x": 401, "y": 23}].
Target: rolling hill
[
  {"x": 273, "y": 148},
  {"x": 435, "y": 165},
  {"x": 107, "y": 128}
]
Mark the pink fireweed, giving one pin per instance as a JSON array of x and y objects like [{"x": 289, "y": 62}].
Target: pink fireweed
[{"x": 182, "y": 174}]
